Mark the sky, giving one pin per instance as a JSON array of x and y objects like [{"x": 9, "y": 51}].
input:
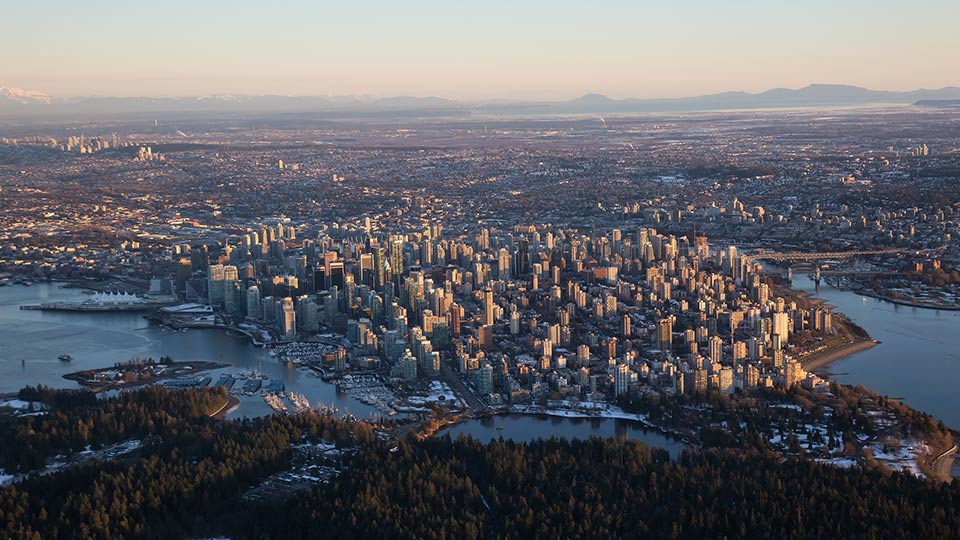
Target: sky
[{"x": 509, "y": 49}]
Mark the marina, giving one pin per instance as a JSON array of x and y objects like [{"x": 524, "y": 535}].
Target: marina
[
  {"x": 31, "y": 341},
  {"x": 187, "y": 382}
]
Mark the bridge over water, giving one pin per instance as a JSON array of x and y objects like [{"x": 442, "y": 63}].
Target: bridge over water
[{"x": 817, "y": 256}]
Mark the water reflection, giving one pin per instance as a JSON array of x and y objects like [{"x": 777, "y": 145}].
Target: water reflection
[
  {"x": 917, "y": 359},
  {"x": 31, "y": 341},
  {"x": 530, "y": 427}
]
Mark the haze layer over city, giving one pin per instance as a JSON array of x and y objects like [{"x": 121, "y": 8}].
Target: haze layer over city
[{"x": 526, "y": 270}]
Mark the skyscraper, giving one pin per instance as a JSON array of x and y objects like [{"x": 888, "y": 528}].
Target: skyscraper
[
  {"x": 253, "y": 302},
  {"x": 665, "y": 334},
  {"x": 288, "y": 325},
  {"x": 215, "y": 276},
  {"x": 621, "y": 379},
  {"x": 487, "y": 304}
]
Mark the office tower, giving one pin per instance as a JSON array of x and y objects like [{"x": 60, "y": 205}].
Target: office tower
[
  {"x": 483, "y": 379},
  {"x": 487, "y": 305},
  {"x": 367, "y": 270},
  {"x": 455, "y": 320},
  {"x": 396, "y": 260},
  {"x": 336, "y": 274},
  {"x": 514, "y": 322},
  {"x": 233, "y": 298},
  {"x": 778, "y": 358},
  {"x": 288, "y": 322},
  {"x": 430, "y": 363},
  {"x": 621, "y": 379},
  {"x": 485, "y": 336},
  {"x": 762, "y": 294},
  {"x": 726, "y": 380},
  {"x": 215, "y": 277},
  {"x": 700, "y": 380},
  {"x": 380, "y": 267},
  {"x": 665, "y": 334},
  {"x": 751, "y": 376},
  {"x": 554, "y": 332},
  {"x": 405, "y": 368},
  {"x": 184, "y": 271},
  {"x": 776, "y": 342},
  {"x": 792, "y": 373},
  {"x": 732, "y": 264},
  {"x": 583, "y": 353},
  {"x": 253, "y": 302},
  {"x": 739, "y": 350},
  {"x": 610, "y": 349},
  {"x": 426, "y": 253},
  {"x": 503, "y": 264},
  {"x": 523, "y": 256},
  {"x": 715, "y": 349},
  {"x": 546, "y": 348},
  {"x": 781, "y": 325}
]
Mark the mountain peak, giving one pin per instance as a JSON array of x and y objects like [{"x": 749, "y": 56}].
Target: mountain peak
[
  {"x": 592, "y": 98},
  {"x": 17, "y": 95}
]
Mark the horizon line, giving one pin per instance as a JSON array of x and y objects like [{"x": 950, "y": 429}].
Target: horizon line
[{"x": 369, "y": 96}]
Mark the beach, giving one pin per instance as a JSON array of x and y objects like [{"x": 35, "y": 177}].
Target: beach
[{"x": 819, "y": 360}]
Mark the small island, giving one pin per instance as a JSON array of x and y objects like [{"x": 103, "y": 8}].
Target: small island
[{"x": 137, "y": 371}]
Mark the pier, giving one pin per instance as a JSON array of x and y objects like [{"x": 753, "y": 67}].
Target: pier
[{"x": 87, "y": 308}]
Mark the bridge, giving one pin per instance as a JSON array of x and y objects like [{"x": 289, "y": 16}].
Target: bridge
[
  {"x": 827, "y": 273},
  {"x": 816, "y": 256}
]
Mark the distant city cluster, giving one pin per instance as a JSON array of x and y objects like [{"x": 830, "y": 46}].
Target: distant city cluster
[{"x": 80, "y": 144}]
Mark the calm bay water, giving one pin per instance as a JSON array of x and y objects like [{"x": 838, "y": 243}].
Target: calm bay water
[
  {"x": 528, "y": 428},
  {"x": 917, "y": 360},
  {"x": 102, "y": 339}
]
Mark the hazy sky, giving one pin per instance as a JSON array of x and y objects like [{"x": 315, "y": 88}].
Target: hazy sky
[{"x": 553, "y": 49}]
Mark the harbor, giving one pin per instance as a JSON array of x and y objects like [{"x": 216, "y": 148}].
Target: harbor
[
  {"x": 32, "y": 340},
  {"x": 104, "y": 302}
]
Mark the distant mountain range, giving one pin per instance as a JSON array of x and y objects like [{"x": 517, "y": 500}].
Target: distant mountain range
[
  {"x": 14, "y": 101},
  {"x": 810, "y": 96}
]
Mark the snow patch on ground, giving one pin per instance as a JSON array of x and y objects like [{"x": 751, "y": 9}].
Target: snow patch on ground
[
  {"x": 439, "y": 393},
  {"x": 21, "y": 405},
  {"x": 839, "y": 462},
  {"x": 793, "y": 406},
  {"x": 580, "y": 409},
  {"x": 901, "y": 455}
]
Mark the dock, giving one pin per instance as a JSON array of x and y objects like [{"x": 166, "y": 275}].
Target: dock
[{"x": 87, "y": 308}]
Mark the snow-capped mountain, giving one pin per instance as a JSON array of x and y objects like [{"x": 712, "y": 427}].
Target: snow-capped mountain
[{"x": 23, "y": 97}]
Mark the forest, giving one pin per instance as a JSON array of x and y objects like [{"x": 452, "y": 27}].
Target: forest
[{"x": 188, "y": 482}]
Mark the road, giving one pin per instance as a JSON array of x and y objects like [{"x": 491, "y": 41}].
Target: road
[
  {"x": 943, "y": 464},
  {"x": 453, "y": 379}
]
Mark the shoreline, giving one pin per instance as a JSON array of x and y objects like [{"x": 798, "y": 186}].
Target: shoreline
[
  {"x": 860, "y": 338},
  {"x": 640, "y": 420},
  {"x": 231, "y": 405},
  {"x": 176, "y": 370},
  {"x": 821, "y": 360},
  {"x": 907, "y": 303}
]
